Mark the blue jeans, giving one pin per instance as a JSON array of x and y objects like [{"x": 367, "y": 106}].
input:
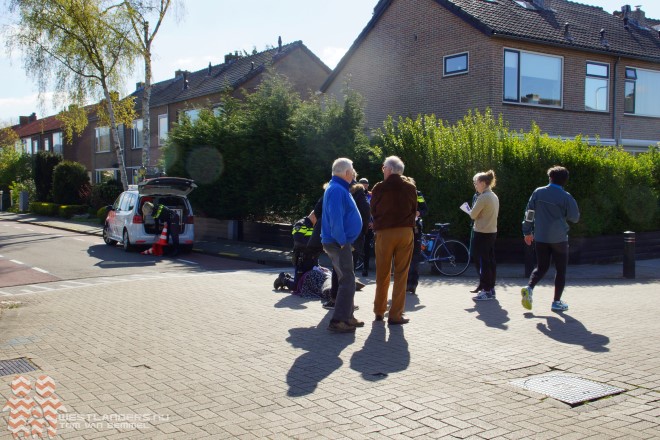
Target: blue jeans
[{"x": 342, "y": 262}]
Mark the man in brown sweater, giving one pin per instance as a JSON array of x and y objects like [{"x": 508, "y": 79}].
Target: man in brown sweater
[{"x": 393, "y": 208}]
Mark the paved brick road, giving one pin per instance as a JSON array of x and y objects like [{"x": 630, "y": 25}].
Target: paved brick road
[{"x": 223, "y": 356}]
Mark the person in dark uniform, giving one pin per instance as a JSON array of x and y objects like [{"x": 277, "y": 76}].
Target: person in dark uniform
[
  {"x": 163, "y": 214},
  {"x": 413, "y": 272},
  {"x": 369, "y": 235}
]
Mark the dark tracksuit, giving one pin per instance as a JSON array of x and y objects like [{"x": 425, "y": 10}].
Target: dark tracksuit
[
  {"x": 168, "y": 216},
  {"x": 413, "y": 272}
]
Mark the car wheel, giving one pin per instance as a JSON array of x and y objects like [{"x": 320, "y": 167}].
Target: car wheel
[
  {"x": 127, "y": 242},
  {"x": 106, "y": 236}
]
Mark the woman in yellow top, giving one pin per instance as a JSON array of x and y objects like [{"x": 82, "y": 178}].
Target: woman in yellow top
[{"x": 484, "y": 213}]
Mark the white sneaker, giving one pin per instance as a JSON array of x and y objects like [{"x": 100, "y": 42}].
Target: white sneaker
[
  {"x": 526, "y": 297},
  {"x": 484, "y": 295}
]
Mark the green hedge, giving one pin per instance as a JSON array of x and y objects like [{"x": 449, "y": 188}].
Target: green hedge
[
  {"x": 68, "y": 211},
  {"x": 615, "y": 190},
  {"x": 43, "y": 208}
]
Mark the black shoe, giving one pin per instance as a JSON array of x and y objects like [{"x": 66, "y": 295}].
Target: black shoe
[
  {"x": 279, "y": 282},
  {"x": 329, "y": 305}
]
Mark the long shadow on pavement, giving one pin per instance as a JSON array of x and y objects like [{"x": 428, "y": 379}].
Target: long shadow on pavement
[
  {"x": 570, "y": 331},
  {"x": 320, "y": 360},
  {"x": 381, "y": 355},
  {"x": 491, "y": 313}
]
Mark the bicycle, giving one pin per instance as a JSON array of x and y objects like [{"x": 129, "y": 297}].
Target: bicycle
[{"x": 450, "y": 257}]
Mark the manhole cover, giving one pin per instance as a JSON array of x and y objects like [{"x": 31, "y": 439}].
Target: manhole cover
[
  {"x": 569, "y": 389},
  {"x": 15, "y": 366}
]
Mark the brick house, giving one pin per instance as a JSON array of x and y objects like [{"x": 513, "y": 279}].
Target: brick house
[
  {"x": 39, "y": 134},
  {"x": 188, "y": 92},
  {"x": 572, "y": 68}
]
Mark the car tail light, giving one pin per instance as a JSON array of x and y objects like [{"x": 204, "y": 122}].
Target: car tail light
[
  {"x": 190, "y": 220},
  {"x": 137, "y": 219}
]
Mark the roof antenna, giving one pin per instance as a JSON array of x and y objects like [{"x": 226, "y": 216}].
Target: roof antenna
[
  {"x": 279, "y": 43},
  {"x": 209, "y": 73}
]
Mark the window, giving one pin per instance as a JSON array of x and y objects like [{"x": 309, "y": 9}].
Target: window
[
  {"x": 642, "y": 92},
  {"x": 35, "y": 146},
  {"x": 57, "y": 143},
  {"x": 192, "y": 114},
  {"x": 162, "y": 129},
  {"x": 102, "y": 139},
  {"x": 138, "y": 133},
  {"x": 455, "y": 64},
  {"x": 46, "y": 144},
  {"x": 596, "y": 87},
  {"x": 532, "y": 78},
  {"x": 103, "y": 175}
]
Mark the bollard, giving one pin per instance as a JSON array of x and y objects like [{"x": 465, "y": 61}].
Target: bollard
[
  {"x": 629, "y": 254},
  {"x": 2, "y": 199}
]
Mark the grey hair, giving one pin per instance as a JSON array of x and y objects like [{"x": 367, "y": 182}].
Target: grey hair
[
  {"x": 395, "y": 164},
  {"x": 341, "y": 165}
]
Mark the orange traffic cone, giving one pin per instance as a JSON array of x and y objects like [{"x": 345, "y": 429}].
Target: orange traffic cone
[{"x": 157, "y": 248}]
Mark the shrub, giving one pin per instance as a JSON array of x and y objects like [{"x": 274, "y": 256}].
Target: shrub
[
  {"x": 44, "y": 164},
  {"x": 44, "y": 208},
  {"x": 609, "y": 184},
  {"x": 70, "y": 180},
  {"x": 104, "y": 193},
  {"x": 68, "y": 211},
  {"x": 17, "y": 187},
  {"x": 102, "y": 213}
]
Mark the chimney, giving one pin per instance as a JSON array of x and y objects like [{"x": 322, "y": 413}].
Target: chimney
[
  {"x": 639, "y": 16},
  {"x": 540, "y": 4},
  {"x": 232, "y": 56},
  {"x": 32, "y": 117},
  {"x": 23, "y": 120},
  {"x": 209, "y": 72},
  {"x": 279, "y": 43},
  {"x": 178, "y": 73},
  {"x": 139, "y": 85}
]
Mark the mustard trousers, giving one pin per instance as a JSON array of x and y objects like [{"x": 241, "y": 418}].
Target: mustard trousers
[{"x": 392, "y": 245}]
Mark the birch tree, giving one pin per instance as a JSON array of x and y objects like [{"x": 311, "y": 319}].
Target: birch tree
[
  {"x": 139, "y": 12},
  {"x": 81, "y": 47}
]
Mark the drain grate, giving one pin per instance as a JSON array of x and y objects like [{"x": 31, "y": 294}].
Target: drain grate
[
  {"x": 16, "y": 366},
  {"x": 569, "y": 389}
]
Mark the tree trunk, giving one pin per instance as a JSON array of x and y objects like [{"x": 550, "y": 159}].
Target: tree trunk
[
  {"x": 114, "y": 135},
  {"x": 146, "y": 100}
]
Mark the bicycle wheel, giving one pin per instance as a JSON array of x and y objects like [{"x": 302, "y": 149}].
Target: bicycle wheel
[
  {"x": 451, "y": 258},
  {"x": 358, "y": 262}
]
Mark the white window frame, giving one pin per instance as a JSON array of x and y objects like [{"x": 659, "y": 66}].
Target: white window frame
[
  {"x": 57, "y": 143},
  {"x": 163, "y": 129},
  {"x": 99, "y": 134},
  {"x": 634, "y": 82},
  {"x": 605, "y": 78},
  {"x": 46, "y": 144},
  {"x": 519, "y": 100},
  {"x": 456, "y": 72},
  {"x": 138, "y": 132},
  {"x": 100, "y": 173},
  {"x": 34, "y": 146}
]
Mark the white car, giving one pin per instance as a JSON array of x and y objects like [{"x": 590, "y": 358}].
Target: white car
[{"x": 126, "y": 224}]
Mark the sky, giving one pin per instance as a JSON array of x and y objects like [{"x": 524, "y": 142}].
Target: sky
[{"x": 204, "y": 31}]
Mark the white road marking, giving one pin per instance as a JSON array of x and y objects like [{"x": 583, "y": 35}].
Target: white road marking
[
  {"x": 187, "y": 261},
  {"x": 79, "y": 239},
  {"x": 40, "y": 270},
  {"x": 16, "y": 261}
]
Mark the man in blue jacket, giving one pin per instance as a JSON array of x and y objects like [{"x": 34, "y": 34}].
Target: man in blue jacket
[
  {"x": 548, "y": 210},
  {"x": 340, "y": 226}
]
